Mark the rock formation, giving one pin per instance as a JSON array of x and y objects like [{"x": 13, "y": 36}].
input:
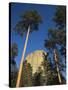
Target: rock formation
[{"x": 35, "y": 59}]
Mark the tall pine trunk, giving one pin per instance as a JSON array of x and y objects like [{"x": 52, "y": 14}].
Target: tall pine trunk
[
  {"x": 57, "y": 67},
  {"x": 22, "y": 59}
]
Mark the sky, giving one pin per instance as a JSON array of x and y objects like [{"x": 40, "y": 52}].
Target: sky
[{"x": 36, "y": 38}]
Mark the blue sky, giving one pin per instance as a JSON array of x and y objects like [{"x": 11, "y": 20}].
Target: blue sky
[{"x": 36, "y": 39}]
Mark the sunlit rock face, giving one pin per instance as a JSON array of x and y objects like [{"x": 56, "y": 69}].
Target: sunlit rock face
[{"x": 35, "y": 59}]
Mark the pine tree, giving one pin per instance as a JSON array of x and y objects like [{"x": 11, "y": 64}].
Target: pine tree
[
  {"x": 13, "y": 67},
  {"x": 26, "y": 75},
  {"x": 29, "y": 22},
  {"x": 57, "y": 38}
]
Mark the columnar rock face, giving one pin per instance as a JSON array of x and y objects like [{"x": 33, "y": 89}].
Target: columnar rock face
[{"x": 35, "y": 59}]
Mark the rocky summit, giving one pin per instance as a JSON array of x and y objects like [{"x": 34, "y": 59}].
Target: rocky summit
[{"x": 35, "y": 59}]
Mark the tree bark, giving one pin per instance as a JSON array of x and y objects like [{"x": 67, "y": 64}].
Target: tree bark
[
  {"x": 57, "y": 67},
  {"x": 22, "y": 59}
]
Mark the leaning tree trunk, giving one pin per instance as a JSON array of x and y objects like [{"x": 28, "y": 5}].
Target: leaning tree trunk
[
  {"x": 22, "y": 59},
  {"x": 57, "y": 67}
]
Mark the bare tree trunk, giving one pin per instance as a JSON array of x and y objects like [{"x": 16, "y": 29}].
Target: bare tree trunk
[
  {"x": 57, "y": 67},
  {"x": 22, "y": 59}
]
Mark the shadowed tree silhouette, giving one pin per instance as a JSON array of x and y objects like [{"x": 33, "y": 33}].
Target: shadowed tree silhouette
[
  {"x": 29, "y": 22},
  {"x": 60, "y": 17},
  {"x": 13, "y": 67},
  {"x": 26, "y": 75},
  {"x": 14, "y": 50},
  {"x": 60, "y": 21},
  {"x": 51, "y": 44},
  {"x": 57, "y": 36}
]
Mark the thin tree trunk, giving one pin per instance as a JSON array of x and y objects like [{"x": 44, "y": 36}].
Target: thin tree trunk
[
  {"x": 22, "y": 59},
  {"x": 57, "y": 67}
]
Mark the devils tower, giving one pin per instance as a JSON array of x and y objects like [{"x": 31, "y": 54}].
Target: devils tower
[{"x": 35, "y": 59}]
